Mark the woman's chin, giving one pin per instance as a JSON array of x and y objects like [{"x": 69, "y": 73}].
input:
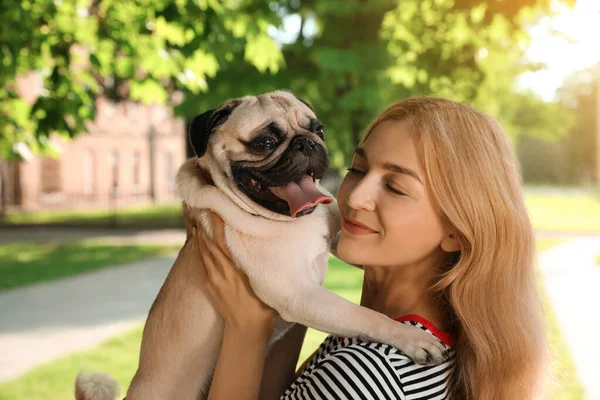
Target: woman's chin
[{"x": 350, "y": 253}]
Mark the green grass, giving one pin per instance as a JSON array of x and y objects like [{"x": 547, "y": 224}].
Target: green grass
[
  {"x": 548, "y": 243},
  {"x": 55, "y": 380},
  {"x": 119, "y": 356},
  {"x": 562, "y": 212},
  {"x": 163, "y": 216},
  {"x": 26, "y": 262}
]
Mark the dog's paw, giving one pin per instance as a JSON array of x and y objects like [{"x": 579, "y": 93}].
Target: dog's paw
[{"x": 421, "y": 346}]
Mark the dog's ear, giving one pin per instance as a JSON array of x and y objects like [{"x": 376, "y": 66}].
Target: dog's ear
[{"x": 203, "y": 125}]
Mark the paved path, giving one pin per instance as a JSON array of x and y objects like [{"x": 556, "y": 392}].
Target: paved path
[
  {"x": 45, "y": 321},
  {"x": 572, "y": 280}
]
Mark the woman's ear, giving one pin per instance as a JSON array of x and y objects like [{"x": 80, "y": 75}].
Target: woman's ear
[{"x": 450, "y": 244}]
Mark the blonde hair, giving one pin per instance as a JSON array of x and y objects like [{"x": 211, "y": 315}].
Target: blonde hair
[{"x": 472, "y": 174}]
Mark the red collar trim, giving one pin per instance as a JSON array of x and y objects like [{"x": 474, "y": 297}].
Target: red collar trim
[{"x": 445, "y": 337}]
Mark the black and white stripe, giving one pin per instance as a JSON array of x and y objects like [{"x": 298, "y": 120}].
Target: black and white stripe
[{"x": 355, "y": 369}]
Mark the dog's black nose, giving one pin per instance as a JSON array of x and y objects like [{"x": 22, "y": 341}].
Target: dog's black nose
[{"x": 304, "y": 145}]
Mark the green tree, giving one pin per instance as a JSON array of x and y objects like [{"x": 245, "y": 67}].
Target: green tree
[
  {"x": 521, "y": 112},
  {"x": 352, "y": 58},
  {"x": 571, "y": 158},
  {"x": 580, "y": 94},
  {"x": 349, "y": 59},
  {"x": 145, "y": 50}
]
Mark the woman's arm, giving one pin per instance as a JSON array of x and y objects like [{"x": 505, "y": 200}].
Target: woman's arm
[
  {"x": 280, "y": 364},
  {"x": 240, "y": 367},
  {"x": 248, "y": 321}
]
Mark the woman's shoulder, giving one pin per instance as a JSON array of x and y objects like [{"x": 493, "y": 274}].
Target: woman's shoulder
[
  {"x": 370, "y": 370},
  {"x": 335, "y": 343},
  {"x": 359, "y": 348}
]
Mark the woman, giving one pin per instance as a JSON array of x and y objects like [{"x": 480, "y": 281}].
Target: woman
[{"x": 433, "y": 211}]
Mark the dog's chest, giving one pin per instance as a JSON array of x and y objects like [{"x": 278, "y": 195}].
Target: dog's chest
[{"x": 294, "y": 249}]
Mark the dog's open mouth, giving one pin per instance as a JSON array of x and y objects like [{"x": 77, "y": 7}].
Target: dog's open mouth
[{"x": 300, "y": 195}]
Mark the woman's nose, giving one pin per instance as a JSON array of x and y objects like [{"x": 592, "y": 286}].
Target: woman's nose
[{"x": 361, "y": 196}]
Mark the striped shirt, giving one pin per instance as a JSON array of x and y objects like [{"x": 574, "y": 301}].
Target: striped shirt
[{"x": 350, "y": 368}]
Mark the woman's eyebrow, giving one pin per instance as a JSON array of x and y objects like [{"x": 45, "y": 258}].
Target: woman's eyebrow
[
  {"x": 401, "y": 170},
  {"x": 390, "y": 166}
]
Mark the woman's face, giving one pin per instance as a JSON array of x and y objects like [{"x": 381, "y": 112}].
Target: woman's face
[{"x": 388, "y": 218}]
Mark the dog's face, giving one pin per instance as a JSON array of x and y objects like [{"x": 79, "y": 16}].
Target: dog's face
[{"x": 271, "y": 150}]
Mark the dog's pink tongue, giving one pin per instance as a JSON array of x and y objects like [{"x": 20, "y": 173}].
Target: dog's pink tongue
[{"x": 301, "y": 194}]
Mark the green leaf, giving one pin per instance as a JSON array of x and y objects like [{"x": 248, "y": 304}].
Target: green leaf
[
  {"x": 262, "y": 52},
  {"x": 148, "y": 92}
]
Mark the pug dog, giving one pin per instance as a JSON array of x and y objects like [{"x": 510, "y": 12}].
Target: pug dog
[{"x": 258, "y": 165}]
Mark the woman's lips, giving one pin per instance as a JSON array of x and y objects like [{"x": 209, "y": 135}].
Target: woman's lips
[{"x": 356, "y": 229}]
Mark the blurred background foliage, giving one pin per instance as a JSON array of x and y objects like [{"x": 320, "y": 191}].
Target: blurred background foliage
[
  {"x": 569, "y": 159},
  {"x": 348, "y": 59}
]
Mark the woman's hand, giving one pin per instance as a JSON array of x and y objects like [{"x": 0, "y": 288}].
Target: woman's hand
[
  {"x": 229, "y": 287},
  {"x": 248, "y": 321}
]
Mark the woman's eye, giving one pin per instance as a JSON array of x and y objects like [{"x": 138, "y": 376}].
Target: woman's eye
[
  {"x": 396, "y": 191},
  {"x": 355, "y": 171}
]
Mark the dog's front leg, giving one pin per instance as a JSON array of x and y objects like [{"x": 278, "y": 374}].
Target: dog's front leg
[{"x": 321, "y": 309}]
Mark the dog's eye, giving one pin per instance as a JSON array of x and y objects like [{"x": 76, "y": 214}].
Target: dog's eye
[
  {"x": 264, "y": 143},
  {"x": 320, "y": 132}
]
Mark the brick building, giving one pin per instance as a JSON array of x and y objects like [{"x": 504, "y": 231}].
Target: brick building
[{"x": 130, "y": 156}]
